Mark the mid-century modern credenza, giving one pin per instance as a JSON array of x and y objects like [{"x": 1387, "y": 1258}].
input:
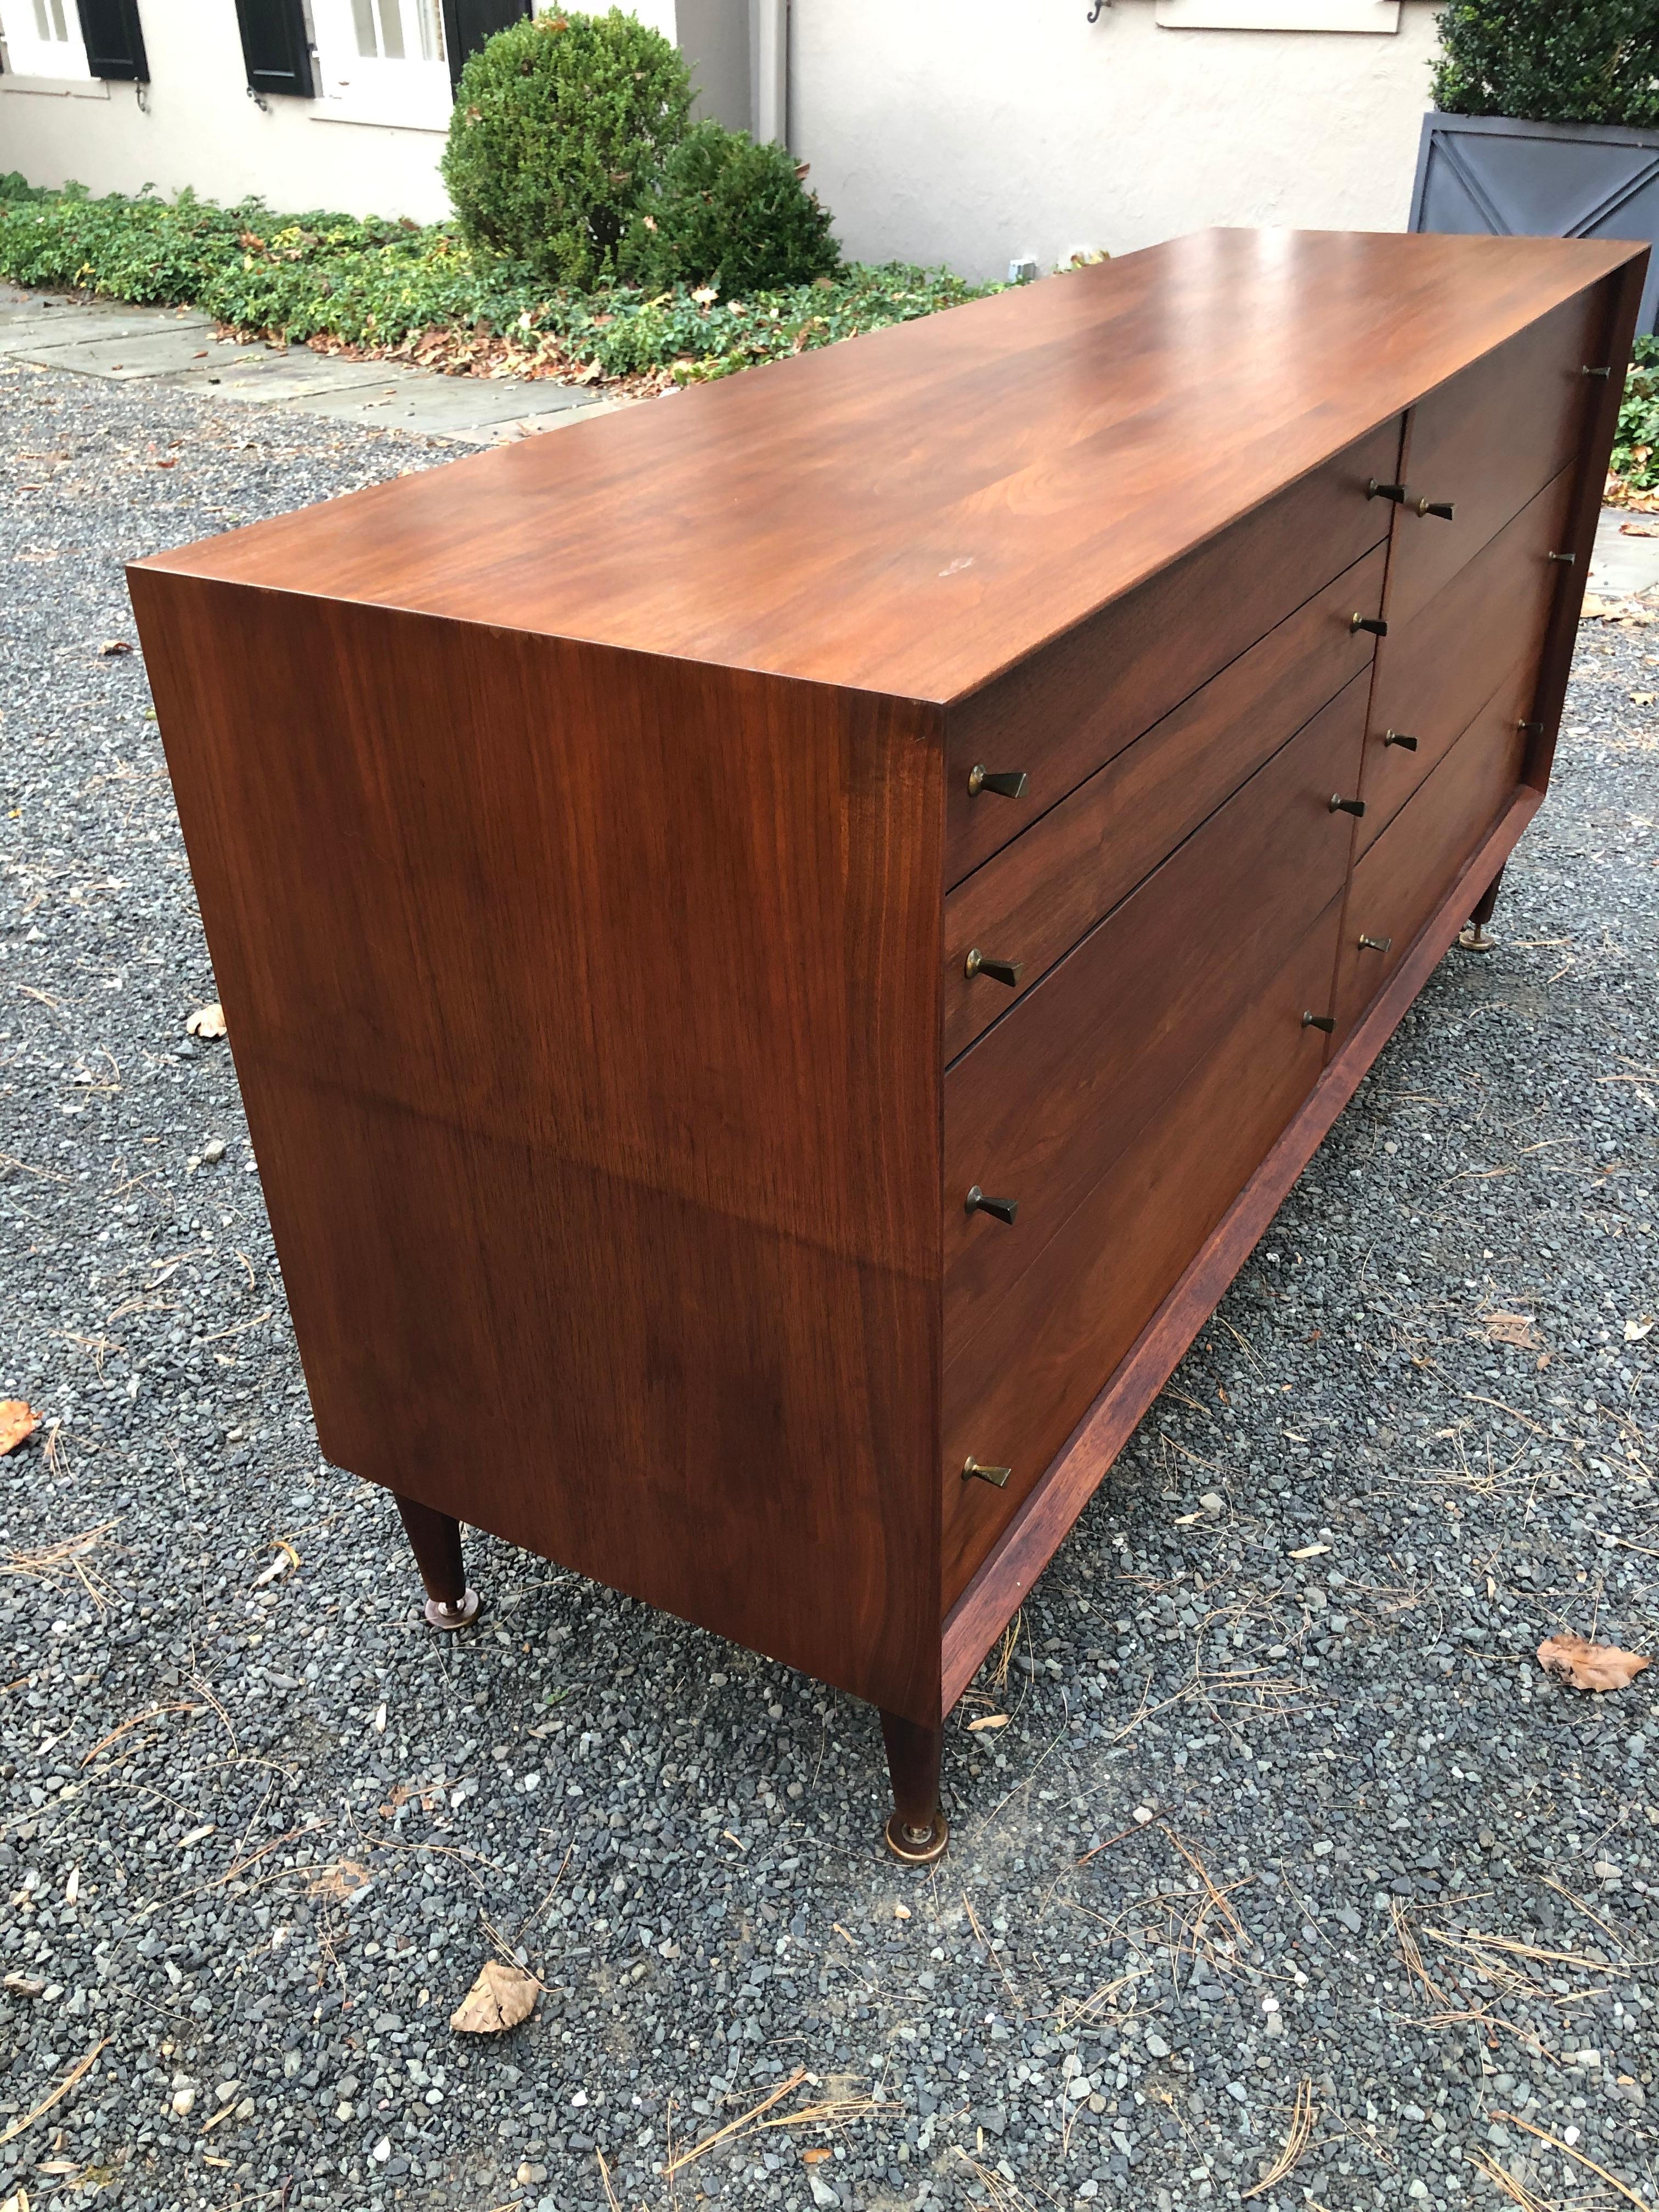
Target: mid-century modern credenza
[{"x": 781, "y": 946}]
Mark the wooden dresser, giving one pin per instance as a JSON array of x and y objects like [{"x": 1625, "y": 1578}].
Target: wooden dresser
[{"x": 782, "y": 945}]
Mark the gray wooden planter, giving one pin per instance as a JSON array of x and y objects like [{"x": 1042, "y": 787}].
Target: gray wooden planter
[{"x": 1489, "y": 173}]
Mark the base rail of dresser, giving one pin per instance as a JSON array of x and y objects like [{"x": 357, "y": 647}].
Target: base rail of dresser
[{"x": 1036, "y": 1533}]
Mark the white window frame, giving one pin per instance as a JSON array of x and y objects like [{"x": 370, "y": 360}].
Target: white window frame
[
  {"x": 1378, "y": 18},
  {"x": 28, "y": 54},
  {"x": 410, "y": 93}
]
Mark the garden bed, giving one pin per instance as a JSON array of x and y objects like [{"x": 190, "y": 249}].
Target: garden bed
[{"x": 399, "y": 290}]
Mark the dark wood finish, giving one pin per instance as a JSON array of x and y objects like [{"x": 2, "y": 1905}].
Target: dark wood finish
[
  {"x": 916, "y": 1829},
  {"x": 1016, "y": 1388},
  {"x": 436, "y": 1540},
  {"x": 586, "y": 1233},
  {"x": 1403, "y": 878},
  {"x": 1490, "y": 438},
  {"x": 1486, "y": 905},
  {"x": 1625, "y": 291},
  {"x": 1036, "y": 1110},
  {"x": 1037, "y": 1532},
  {"x": 583, "y": 838},
  {"x": 1436, "y": 672},
  {"x": 1061, "y": 715},
  {"x": 1037, "y": 896}
]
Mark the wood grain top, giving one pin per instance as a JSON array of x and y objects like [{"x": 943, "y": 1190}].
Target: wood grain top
[{"x": 916, "y": 510}]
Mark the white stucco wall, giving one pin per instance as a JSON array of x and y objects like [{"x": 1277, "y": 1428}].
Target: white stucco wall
[
  {"x": 969, "y": 132},
  {"x": 196, "y": 126}
]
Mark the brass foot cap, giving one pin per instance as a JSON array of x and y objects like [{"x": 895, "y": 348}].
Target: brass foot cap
[
  {"x": 1476, "y": 937},
  {"x": 440, "y": 1615},
  {"x": 918, "y": 1846}
]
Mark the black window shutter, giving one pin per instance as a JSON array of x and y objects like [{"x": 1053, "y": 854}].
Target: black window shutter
[
  {"x": 114, "y": 39},
  {"x": 274, "y": 46},
  {"x": 468, "y": 23}
]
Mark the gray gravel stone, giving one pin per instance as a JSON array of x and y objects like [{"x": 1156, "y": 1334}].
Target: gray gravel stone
[{"x": 258, "y": 1828}]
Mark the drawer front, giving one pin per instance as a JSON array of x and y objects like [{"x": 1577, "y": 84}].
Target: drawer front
[
  {"x": 1033, "y": 901},
  {"x": 1489, "y": 440},
  {"x": 1435, "y": 673},
  {"x": 1403, "y": 878},
  {"x": 1072, "y": 708},
  {"x": 1037, "y": 1108},
  {"x": 1016, "y": 1389}
]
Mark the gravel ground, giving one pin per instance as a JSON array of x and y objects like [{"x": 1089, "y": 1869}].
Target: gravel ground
[{"x": 1286, "y": 1835}]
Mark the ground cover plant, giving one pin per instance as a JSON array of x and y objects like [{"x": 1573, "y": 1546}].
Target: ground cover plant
[{"x": 422, "y": 292}]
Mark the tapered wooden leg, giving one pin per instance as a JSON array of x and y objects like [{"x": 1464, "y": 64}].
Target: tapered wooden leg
[
  {"x": 1476, "y": 937},
  {"x": 436, "y": 1540},
  {"x": 917, "y": 1831}
]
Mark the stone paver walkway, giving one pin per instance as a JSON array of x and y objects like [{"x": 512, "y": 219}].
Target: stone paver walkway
[{"x": 177, "y": 346}]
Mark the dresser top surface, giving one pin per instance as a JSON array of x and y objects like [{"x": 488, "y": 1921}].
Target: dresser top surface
[{"x": 914, "y": 511}]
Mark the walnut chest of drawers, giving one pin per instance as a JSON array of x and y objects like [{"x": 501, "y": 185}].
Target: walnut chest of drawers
[{"x": 782, "y": 945}]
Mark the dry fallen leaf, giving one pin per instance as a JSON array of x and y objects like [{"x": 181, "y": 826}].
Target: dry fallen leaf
[
  {"x": 1512, "y": 1328},
  {"x": 1637, "y": 1328},
  {"x": 1638, "y": 530},
  {"x": 1593, "y": 608},
  {"x": 501, "y": 1996},
  {"x": 207, "y": 1021},
  {"x": 18, "y": 1419},
  {"x": 110, "y": 647},
  {"x": 987, "y": 1721},
  {"x": 813, "y": 2157},
  {"x": 1310, "y": 1550},
  {"x": 1589, "y": 1666},
  {"x": 25, "y": 1985}
]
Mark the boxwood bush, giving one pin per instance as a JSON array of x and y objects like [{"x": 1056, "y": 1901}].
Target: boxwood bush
[
  {"x": 732, "y": 213},
  {"x": 1636, "y": 444},
  {"x": 1550, "y": 61},
  {"x": 561, "y": 124}
]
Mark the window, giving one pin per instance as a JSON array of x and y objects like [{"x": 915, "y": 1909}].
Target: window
[
  {"x": 383, "y": 61},
  {"x": 43, "y": 39}
]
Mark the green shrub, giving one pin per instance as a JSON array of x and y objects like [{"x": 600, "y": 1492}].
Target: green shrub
[
  {"x": 1550, "y": 61},
  {"x": 561, "y": 124},
  {"x": 732, "y": 213},
  {"x": 1636, "y": 441}
]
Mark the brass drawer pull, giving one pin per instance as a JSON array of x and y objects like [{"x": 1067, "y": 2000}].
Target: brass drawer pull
[
  {"x": 1010, "y": 784},
  {"x": 1530, "y": 729},
  {"x": 1595, "y": 372},
  {"x": 1395, "y": 492},
  {"x": 1399, "y": 738},
  {"x": 1375, "y": 943},
  {"x": 1001, "y": 971},
  {"x": 1004, "y": 1209},
  {"x": 1446, "y": 508},
  {"x": 1341, "y": 805},
  {"x": 996, "y": 1476},
  {"x": 1318, "y": 1022},
  {"x": 1565, "y": 560},
  {"x": 1376, "y": 626}
]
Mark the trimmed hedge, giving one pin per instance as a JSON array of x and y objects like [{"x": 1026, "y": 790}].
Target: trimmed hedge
[
  {"x": 1550, "y": 61},
  {"x": 391, "y": 287},
  {"x": 561, "y": 124},
  {"x": 732, "y": 212}
]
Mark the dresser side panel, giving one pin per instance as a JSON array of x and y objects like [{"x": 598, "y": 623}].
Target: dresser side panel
[{"x": 585, "y": 1005}]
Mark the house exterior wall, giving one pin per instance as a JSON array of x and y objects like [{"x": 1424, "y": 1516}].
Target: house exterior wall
[
  {"x": 954, "y": 131},
  {"x": 194, "y": 124},
  {"x": 970, "y": 133}
]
